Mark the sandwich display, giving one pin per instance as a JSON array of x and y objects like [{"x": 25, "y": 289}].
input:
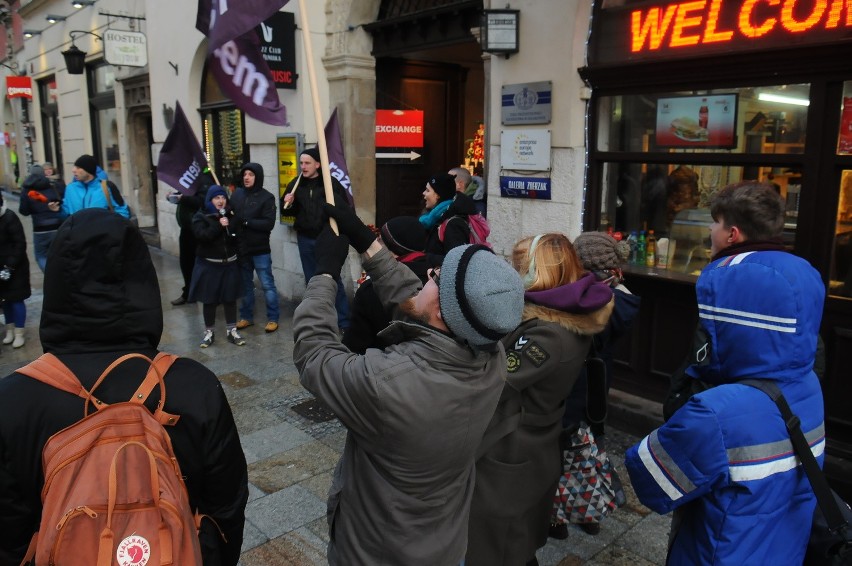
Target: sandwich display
[{"x": 688, "y": 129}]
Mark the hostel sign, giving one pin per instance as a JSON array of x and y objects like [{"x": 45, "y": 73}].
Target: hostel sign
[{"x": 664, "y": 30}]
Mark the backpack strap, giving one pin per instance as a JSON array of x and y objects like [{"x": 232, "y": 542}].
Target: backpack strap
[
  {"x": 50, "y": 370},
  {"x": 105, "y": 189},
  {"x": 827, "y": 504},
  {"x": 442, "y": 227}
]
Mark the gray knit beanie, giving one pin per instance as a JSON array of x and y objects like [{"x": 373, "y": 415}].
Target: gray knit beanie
[
  {"x": 599, "y": 251},
  {"x": 480, "y": 294}
]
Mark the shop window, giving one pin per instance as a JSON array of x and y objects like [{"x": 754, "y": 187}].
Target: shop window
[
  {"x": 840, "y": 283},
  {"x": 224, "y": 133},
  {"x": 48, "y": 103},
  {"x": 770, "y": 119},
  {"x": 101, "y": 81},
  {"x": 663, "y": 158},
  {"x": 672, "y": 203}
]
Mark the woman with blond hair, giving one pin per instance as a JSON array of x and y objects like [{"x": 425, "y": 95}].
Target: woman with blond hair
[{"x": 520, "y": 460}]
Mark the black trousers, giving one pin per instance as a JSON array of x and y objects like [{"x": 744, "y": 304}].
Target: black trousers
[{"x": 186, "y": 249}]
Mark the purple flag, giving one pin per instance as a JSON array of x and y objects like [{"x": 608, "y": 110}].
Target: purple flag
[
  {"x": 336, "y": 160},
  {"x": 234, "y": 56},
  {"x": 181, "y": 159},
  {"x": 244, "y": 77},
  {"x": 221, "y": 20}
]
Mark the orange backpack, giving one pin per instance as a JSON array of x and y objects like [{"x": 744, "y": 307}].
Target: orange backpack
[{"x": 113, "y": 491}]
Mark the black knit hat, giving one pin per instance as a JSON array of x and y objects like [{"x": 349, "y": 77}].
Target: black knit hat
[
  {"x": 88, "y": 164},
  {"x": 313, "y": 152},
  {"x": 444, "y": 185},
  {"x": 403, "y": 235}
]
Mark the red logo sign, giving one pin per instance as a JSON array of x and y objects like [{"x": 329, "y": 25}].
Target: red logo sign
[
  {"x": 399, "y": 128},
  {"x": 19, "y": 87}
]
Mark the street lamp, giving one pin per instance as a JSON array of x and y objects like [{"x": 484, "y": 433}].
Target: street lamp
[{"x": 75, "y": 59}]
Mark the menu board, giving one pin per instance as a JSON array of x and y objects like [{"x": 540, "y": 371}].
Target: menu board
[{"x": 697, "y": 121}]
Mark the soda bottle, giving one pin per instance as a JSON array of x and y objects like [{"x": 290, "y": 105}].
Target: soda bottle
[
  {"x": 640, "y": 249},
  {"x": 632, "y": 241},
  {"x": 703, "y": 113},
  {"x": 651, "y": 250}
]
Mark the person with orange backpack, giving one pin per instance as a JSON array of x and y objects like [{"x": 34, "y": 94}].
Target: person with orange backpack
[{"x": 141, "y": 464}]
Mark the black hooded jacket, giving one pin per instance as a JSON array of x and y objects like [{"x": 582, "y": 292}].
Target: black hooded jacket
[
  {"x": 102, "y": 300},
  {"x": 255, "y": 214}
]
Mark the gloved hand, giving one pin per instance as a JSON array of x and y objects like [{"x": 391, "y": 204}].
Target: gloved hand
[
  {"x": 330, "y": 252},
  {"x": 351, "y": 226}
]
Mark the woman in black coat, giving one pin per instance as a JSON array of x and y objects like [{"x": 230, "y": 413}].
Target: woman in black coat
[
  {"x": 14, "y": 275},
  {"x": 216, "y": 277}
]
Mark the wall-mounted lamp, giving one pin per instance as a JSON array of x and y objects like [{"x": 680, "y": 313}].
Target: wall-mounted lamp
[
  {"x": 75, "y": 59},
  {"x": 500, "y": 31},
  {"x": 28, "y": 33},
  {"x": 52, "y": 18},
  {"x": 80, "y": 3}
]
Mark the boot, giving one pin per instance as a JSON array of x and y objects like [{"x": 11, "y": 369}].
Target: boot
[
  {"x": 10, "y": 334},
  {"x": 19, "y": 338}
]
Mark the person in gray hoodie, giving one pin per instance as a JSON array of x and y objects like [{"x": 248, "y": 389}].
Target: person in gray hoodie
[{"x": 415, "y": 410}]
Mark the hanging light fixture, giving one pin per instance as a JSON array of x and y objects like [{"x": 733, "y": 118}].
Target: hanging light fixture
[{"x": 75, "y": 58}]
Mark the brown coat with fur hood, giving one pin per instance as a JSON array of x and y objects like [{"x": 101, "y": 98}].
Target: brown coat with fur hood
[{"x": 516, "y": 477}]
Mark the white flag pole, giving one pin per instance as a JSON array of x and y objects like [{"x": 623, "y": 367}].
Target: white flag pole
[{"x": 312, "y": 79}]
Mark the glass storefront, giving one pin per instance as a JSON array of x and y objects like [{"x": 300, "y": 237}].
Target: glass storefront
[
  {"x": 666, "y": 154},
  {"x": 104, "y": 119}
]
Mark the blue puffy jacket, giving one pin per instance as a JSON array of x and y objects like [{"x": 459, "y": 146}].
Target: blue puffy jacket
[
  {"x": 724, "y": 460},
  {"x": 80, "y": 195}
]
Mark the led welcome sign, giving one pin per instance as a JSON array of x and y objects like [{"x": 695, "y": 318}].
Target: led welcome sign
[{"x": 703, "y": 27}]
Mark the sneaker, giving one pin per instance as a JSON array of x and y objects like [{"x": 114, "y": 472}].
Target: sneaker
[
  {"x": 179, "y": 301},
  {"x": 208, "y": 338},
  {"x": 243, "y": 323},
  {"x": 235, "y": 338},
  {"x": 271, "y": 326}
]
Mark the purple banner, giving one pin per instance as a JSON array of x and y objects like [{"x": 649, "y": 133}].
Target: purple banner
[
  {"x": 221, "y": 21},
  {"x": 244, "y": 77},
  {"x": 181, "y": 159},
  {"x": 234, "y": 56},
  {"x": 336, "y": 160}
]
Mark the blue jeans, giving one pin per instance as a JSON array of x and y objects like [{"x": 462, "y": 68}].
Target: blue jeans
[
  {"x": 262, "y": 264},
  {"x": 15, "y": 312},
  {"x": 309, "y": 267},
  {"x": 41, "y": 244}
]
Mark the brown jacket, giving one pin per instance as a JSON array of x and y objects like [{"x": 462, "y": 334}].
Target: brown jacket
[
  {"x": 416, "y": 412},
  {"x": 516, "y": 477}
]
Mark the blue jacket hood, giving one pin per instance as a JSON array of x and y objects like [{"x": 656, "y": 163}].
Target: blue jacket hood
[{"x": 761, "y": 312}]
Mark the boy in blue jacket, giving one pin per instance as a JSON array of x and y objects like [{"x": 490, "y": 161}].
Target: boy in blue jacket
[{"x": 724, "y": 461}]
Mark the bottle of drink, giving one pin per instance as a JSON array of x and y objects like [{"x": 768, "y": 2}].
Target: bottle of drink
[
  {"x": 640, "y": 249},
  {"x": 633, "y": 241},
  {"x": 703, "y": 113},
  {"x": 651, "y": 250}
]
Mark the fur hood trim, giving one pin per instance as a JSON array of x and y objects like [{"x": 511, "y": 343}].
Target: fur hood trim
[{"x": 587, "y": 324}]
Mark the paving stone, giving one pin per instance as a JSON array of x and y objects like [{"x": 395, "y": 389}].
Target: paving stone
[
  {"x": 284, "y": 511},
  {"x": 293, "y": 466},
  {"x": 272, "y": 440},
  {"x": 297, "y": 548},
  {"x": 254, "y": 420},
  {"x": 252, "y": 537}
]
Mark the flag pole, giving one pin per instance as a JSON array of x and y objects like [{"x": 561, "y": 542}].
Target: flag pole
[{"x": 312, "y": 79}]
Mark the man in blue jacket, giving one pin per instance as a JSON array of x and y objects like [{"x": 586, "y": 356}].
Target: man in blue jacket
[
  {"x": 90, "y": 189},
  {"x": 724, "y": 461}
]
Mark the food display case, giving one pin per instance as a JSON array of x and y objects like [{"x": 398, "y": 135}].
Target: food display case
[{"x": 689, "y": 241}]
